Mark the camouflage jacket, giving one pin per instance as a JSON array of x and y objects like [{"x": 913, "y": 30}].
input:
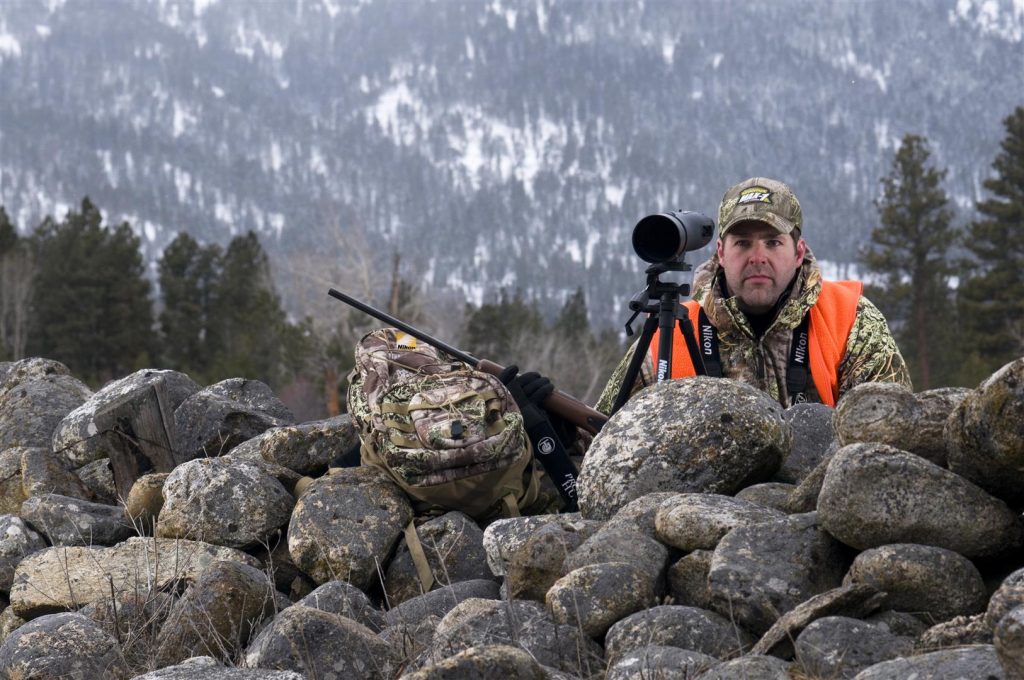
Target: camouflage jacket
[{"x": 871, "y": 352}]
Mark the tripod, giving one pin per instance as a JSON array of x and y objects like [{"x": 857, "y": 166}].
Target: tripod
[{"x": 660, "y": 300}]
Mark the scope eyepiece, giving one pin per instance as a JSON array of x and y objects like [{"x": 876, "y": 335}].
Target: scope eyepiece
[{"x": 664, "y": 237}]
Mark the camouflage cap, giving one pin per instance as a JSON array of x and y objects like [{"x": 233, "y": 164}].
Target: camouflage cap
[{"x": 760, "y": 199}]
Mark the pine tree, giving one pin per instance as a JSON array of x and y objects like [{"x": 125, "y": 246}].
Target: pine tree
[
  {"x": 910, "y": 252},
  {"x": 992, "y": 299},
  {"x": 188, "y": 274},
  {"x": 249, "y": 334},
  {"x": 90, "y": 301},
  {"x": 15, "y": 287}
]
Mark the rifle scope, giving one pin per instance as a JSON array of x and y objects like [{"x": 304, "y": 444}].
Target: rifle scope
[{"x": 665, "y": 237}]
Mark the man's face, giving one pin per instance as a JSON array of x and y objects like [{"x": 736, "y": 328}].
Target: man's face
[{"x": 759, "y": 263}]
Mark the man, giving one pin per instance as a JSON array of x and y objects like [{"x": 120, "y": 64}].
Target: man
[{"x": 763, "y": 314}]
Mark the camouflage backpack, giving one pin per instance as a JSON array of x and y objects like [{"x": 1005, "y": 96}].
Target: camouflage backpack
[{"x": 450, "y": 436}]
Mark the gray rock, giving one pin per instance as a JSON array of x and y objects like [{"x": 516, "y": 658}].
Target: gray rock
[
  {"x": 306, "y": 449},
  {"x": 71, "y": 521},
  {"x": 209, "y": 669},
  {"x": 640, "y": 514},
  {"x": 933, "y": 583},
  {"x": 694, "y": 521},
  {"x": 43, "y": 471},
  {"x": 12, "y": 493},
  {"x": 1008, "y": 596},
  {"x": 62, "y": 578},
  {"x": 453, "y": 545},
  {"x": 854, "y": 601},
  {"x": 411, "y": 640},
  {"x": 622, "y": 544},
  {"x": 749, "y": 668},
  {"x": 98, "y": 478},
  {"x": 688, "y": 579},
  {"x": 874, "y": 495},
  {"x": 812, "y": 437},
  {"x": 345, "y": 526},
  {"x": 17, "y": 540},
  {"x": 690, "y": 628},
  {"x": 1009, "y": 643},
  {"x": 523, "y": 624},
  {"x": 135, "y": 619},
  {"x": 9, "y": 622},
  {"x": 320, "y": 644},
  {"x": 700, "y": 435},
  {"x": 344, "y": 599},
  {"x": 61, "y": 646},
  {"x": 439, "y": 602},
  {"x": 34, "y": 398},
  {"x": 77, "y": 436},
  {"x": 540, "y": 561},
  {"x": 761, "y": 571},
  {"x": 597, "y": 595},
  {"x": 771, "y": 495},
  {"x": 217, "y": 614},
  {"x": 217, "y": 418},
  {"x": 804, "y": 498},
  {"x": 658, "y": 661},
  {"x": 936, "y": 406},
  {"x": 503, "y": 537},
  {"x": 986, "y": 434},
  {"x": 883, "y": 413},
  {"x": 957, "y": 632},
  {"x": 841, "y": 647},
  {"x": 898, "y": 623},
  {"x": 965, "y": 663},
  {"x": 224, "y": 502},
  {"x": 484, "y": 661}
]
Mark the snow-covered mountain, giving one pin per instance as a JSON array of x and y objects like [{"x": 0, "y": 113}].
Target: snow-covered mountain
[{"x": 500, "y": 143}]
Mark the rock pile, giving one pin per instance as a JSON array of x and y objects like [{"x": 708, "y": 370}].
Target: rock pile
[{"x": 720, "y": 537}]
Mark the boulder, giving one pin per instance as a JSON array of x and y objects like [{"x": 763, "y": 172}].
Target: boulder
[
  {"x": 1008, "y": 596},
  {"x": 841, "y": 647},
  {"x": 12, "y": 493},
  {"x": 804, "y": 498},
  {"x": 812, "y": 437},
  {"x": 540, "y": 561},
  {"x": 135, "y": 619},
  {"x": 640, "y": 514},
  {"x": 411, "y": 641},
  {"x": 873, "y": 495},
  {"x": 81, "y": 439},
  {"x": 98, "y": 478},
  {"x": 62, "y": 645},
  {"x": 34, "y": 397},
  {"x": 453, "y": 545},
  {"x": 659, "y": 661},
  {"x": 216, "y": 614},
  {"x": 694, "y": 521},
  {"x": 320, "y": 644},
  {"x": 622, "y": 544},
  {"x": 484, "y": 661},
  {"x": 595, "y": 596},
  {"x": 71, "y": 521},
  {"x": 224, "y": 502},
  {"x": 761, "y": 571},
  {"x": 986, "y": 434},
  {"x": 689, "y": 628},
  {"x": 307, "y": 448},
  {"x": 1009, "y": 643},
  {"x": 688, "y": 579},
  {"x": 439, "y": 602},
  {"x": 43, "y": 471},
  {"x": 503, "y": 537},
  {"x": 711, "y": 435},
  {"x": 345, "y": 526},
  {"x": 771, "y": 495},
  {"x": 749, "y": 668},
  {"x": 344, "y": 599},
  {"x": 936, "y": 406},
  {"x": 17, "y": 540},
  {"x": 209, "y": 668},
  {"x": 217, "y": 418},
  {"x": 884, "y": 413},
  {"x": 63, "y": 578},
  {"x": 935, "y": 584},
  {"x": 975, "y": 661},
  {"x": 523, "y": 624}
]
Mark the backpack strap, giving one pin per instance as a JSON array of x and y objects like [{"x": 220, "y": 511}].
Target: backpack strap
[{"x": 419, "y": 558}]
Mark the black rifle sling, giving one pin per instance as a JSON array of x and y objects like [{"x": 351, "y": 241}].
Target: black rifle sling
[{"x": 798, "y": 373}]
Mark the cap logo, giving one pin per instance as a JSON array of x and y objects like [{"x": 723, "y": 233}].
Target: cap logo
[{"x": 754, "y": 195}]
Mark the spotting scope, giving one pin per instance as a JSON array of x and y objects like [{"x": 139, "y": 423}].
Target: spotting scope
[{"x": 667, "y": 236}]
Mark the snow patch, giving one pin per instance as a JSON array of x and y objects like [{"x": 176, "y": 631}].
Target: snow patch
[
  {"x": 9, "y": 46},
  {"x": 43, "y": 31},
  {"x": 716, "y": 59},
  {"x": 542, "y": 17},
  {"x": 200, "y": 6},
  {"x": 217, "y": 92},
  {"x": 276, "y": 221},
  {"x": 1004, "y": 20},
  {"x": 470, "y": 52},
  {"x": 614, "y": 193},
  {"x": 668, "y": 50},
  {"x": 183, "y": 120}
]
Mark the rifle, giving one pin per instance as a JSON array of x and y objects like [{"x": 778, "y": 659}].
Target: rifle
[{"x": 561, "y": 404}]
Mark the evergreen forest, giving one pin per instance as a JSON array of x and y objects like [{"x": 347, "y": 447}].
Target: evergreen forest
[{"x": 80, "y": 291}]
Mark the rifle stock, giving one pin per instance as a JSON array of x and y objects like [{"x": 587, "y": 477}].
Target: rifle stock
[{"x": 561, "y": 404}]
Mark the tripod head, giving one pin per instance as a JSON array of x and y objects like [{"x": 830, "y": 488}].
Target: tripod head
[{"x": 650, "y": 298}]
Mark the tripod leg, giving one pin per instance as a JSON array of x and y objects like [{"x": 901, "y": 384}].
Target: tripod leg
[{"x": 633, "y": 370}]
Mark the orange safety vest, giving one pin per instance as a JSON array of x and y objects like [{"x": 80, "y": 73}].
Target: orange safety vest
[{"x": 832, "y": 318}]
